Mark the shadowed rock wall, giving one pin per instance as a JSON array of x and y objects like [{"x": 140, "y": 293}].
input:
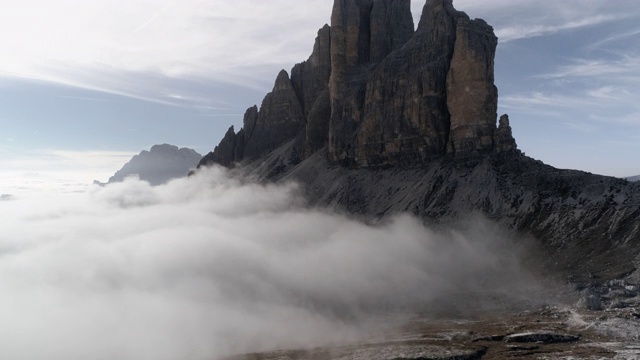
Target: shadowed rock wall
[{"x": 377, "y": 93}]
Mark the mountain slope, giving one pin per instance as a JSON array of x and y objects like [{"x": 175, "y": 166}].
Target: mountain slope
[{"x": 588, "y": 225}]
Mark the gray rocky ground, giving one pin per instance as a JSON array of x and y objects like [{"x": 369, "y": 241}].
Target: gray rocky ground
[
  {"x": 545, "y": 332},
  {"x": 585, "y": 225}
]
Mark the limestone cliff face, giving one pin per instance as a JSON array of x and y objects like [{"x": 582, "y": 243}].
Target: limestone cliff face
[
  {"x": 356, "y": 133},
  {"x": 391, "y": 27},
  {"x": 472, "y": 98},
  {"x": 503, "y": 139},
  {"x": 405, "y": 117},
  {"x": 374, "y": 92},
  {"x": 280, "y": 119},
  {"x": 310, "y": 80},
  {"x": 225, "y": 153}
]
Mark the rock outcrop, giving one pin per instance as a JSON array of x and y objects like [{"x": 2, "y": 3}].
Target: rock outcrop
[
  {"x": 160, "y": 164},
  {"x": 377, "y": 93},
  {"x": 472, "y": 98},
  {"x": 503, "y": 138},
  {"x": 311, "y": 82},
  {"x": 228, "y": 150},
  {"x": 279, "y": 120}
]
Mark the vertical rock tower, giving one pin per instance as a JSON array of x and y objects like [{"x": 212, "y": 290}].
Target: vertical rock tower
[{"x": 374, "y": 92}]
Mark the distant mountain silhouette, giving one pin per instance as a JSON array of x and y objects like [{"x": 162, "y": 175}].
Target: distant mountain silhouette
[
  {"x": 634, "y": 178},
  {"x": 159, "y": 165}
]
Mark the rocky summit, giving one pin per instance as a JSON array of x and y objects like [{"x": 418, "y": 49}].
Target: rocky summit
[
  {"x": 382, "y": 119},
  {"x": 159, "y": 165},
  {"x": 375, "y": 92}
]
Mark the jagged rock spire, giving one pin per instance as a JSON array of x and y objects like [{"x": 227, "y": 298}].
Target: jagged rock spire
[{"x": 376, "y": 93}]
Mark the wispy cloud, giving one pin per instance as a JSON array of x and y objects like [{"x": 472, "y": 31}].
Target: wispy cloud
[
  {"x": 590, "y": 68},
  {"x": 543, "y": 99},
  {"x": 604, "y": 105},
  {"x": 614, "y": 38},
  {"x": 148, "y": 46},
  {"x": 630, "y": 119},
  {"x": 583, "y": 127},
  {"x": 153, "y": 17},
  {"x": 522, "y": 19},
  {"x": 517, "y": 32},
  {"x": 107, "y": 47},
  {"x": 83, "y": 98}
]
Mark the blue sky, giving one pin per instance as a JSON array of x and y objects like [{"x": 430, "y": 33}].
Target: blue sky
[{"x": 85, "y": 84}]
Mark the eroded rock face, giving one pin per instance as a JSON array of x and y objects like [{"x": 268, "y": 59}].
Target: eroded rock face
[
  {"x": 279, "y": 120},
  {"x": 377, "y": 93},
  {"x": 472, "y": 98},
  {"x": 405, "y": 118},
  {"x": 311, "y": 82},
  {"x": 391, "y": 27},
  {"x": 359, "y": 106},
  {"x": 249, "y": 122},
  {"x": 224, "y": 153},
  {"x": 503, "y": 138}
]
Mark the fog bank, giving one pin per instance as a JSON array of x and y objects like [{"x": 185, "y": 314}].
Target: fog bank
[{"x": 208, "y": 266}]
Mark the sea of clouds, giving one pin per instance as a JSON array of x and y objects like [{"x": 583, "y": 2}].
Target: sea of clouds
[{"x": 209, "y": 266}]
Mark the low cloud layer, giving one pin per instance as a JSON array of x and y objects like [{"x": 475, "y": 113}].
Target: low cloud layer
[{"x": 207, "y": 266}]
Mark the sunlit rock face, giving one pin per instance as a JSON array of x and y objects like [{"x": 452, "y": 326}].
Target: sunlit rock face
[
  {"x": 375, "y": 92},
  {"x": 472, "y": 98}
]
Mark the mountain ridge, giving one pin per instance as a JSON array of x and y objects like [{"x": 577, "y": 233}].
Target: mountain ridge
[
  {"x": 378, "y": 93},
  {"x": 407, "y": 123},
  {"x": 159, "y": 165}
]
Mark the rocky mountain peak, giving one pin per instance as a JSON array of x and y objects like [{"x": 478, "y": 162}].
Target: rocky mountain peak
[
  {"x": 374, "y": 92},
  {"x": 159, "y": 165},
  {"x": 283, "y": 83}
]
